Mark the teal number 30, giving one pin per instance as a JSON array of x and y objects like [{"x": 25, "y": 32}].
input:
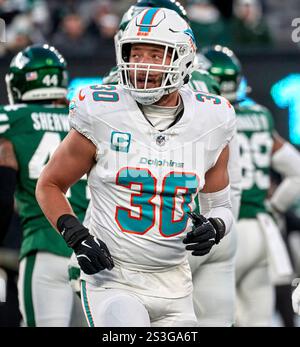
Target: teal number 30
[
  {"x": 203, "y": 97},
  {"x": 105, "y": 93},
  {"x": 176, "y": 195}
]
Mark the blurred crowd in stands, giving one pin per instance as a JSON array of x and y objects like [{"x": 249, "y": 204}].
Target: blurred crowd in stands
[
  {"x": 75, "y": 27},
  {"x": 80, "y": 28}
]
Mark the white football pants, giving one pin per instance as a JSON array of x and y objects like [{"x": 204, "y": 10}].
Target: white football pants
[
  {"x": 214, "y": 283},
  {"x": 123, "y": 308},
  {"x": 45, "y": 295},
  {"x": 255, "y": 294}
]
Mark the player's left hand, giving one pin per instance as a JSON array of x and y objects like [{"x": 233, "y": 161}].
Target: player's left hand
[
  {"x": 205, "y": 233},
  {"x": 296, "y": 300}
]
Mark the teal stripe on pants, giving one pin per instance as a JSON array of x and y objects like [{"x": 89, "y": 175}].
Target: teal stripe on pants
[{"x": 86, "y": 305}]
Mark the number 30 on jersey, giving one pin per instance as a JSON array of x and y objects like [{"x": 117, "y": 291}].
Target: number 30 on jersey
[{"x": 175, "y": 194}]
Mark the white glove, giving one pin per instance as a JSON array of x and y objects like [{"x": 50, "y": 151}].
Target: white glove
[{"x": 296, "y": 300}]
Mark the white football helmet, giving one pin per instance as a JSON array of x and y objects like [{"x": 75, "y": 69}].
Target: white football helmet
[{"x": 163, "y": 27}]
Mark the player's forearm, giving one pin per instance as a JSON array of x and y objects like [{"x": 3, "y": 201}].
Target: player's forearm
[
  {"x": 286, "y": 194},
  {"x": 8, "y": 177},
  {"x": 72, "y": 159},
  {"x": 218, "y": 205},
  {"x": 52, "y": 201},
  {"x": 286, "y": 161}
]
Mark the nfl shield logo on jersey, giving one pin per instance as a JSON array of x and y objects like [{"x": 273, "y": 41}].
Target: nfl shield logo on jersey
[
  {"x": 161, "y": 140},
  {"x": 120, "y": 142}
]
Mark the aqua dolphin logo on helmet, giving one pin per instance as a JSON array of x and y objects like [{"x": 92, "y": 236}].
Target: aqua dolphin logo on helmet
[
  {"x": 158, "y": 27},
  {"x": 190, "y": 33}
]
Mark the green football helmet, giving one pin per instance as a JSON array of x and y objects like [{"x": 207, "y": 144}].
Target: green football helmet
[
  {"x": 202, "y": 81},
  {"x": 38, "y": 72},
  {"x": 225, "y": 67}
]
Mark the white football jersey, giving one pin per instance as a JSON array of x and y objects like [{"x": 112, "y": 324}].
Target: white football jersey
[{"x": 144, "y": 181}]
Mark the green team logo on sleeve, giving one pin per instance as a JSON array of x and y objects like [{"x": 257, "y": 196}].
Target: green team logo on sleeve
[
  {"x": 255, "y": 128},
  {"x": 6, "y": 119},
  {"x": 4, "y": 123}
]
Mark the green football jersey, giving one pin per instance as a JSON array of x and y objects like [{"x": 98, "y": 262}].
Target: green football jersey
[
  {"x": 36, "y": 131},
  {"x": 202, "y": 81},
  {"x": 255, "y": 126}
]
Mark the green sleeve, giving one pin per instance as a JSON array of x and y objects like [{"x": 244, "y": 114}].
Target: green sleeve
[
  {"x": 5, "y": 123},
  {"x": 12, "y": 120}
]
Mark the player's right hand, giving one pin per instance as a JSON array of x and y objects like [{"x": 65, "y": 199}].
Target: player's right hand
[{"x": 93, "y": 255}]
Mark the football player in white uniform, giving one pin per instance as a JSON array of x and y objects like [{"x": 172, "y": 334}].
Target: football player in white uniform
[
  {"x": 149, "y": 147},
  {"x": 213, "y": 275}
]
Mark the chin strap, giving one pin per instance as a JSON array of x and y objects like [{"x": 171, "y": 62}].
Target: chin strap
[{"x": 147, "y": 98}]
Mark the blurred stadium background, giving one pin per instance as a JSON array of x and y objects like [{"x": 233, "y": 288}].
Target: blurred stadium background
[{"x": 259, "y": 31}]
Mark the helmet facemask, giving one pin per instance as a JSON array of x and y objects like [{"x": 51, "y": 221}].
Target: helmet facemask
[
  {"x": 229, "y": 89},
  {"x": 155, "y": 55},
  {"x": 148, "y": 82}
]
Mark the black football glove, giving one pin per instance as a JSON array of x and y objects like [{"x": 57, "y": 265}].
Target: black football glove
[
  {"x": 92, "y": 254},
  {"x": 205, "y": 233}
]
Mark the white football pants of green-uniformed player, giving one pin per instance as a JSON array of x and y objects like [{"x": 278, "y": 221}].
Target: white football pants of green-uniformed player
[
  {"x": 214, "y": 274},
  {"x": 255, "y": 294},
  {"x": 45, "y": 295},
  {"x": 214, "y": 283}
]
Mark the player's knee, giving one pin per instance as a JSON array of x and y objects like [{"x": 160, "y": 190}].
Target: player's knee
[{"x": 122, "y": 310}]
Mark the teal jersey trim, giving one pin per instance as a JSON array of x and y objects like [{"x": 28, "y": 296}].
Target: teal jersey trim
[{"x": 86, "y": 305}]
